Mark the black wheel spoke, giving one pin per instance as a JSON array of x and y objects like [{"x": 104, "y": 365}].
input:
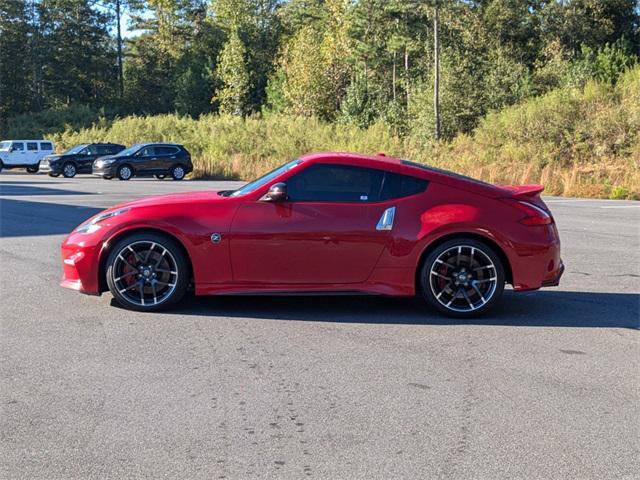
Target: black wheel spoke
[
  {"x": 463, "y": 278},
  {"x": 153, "y": 285}
]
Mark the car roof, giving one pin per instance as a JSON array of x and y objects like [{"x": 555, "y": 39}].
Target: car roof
[
  {"x": 30, "y": 140},
  {"x": 169, "y": 144}
]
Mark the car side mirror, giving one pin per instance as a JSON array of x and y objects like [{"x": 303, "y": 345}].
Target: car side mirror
[{"x": 277, "y": 193}]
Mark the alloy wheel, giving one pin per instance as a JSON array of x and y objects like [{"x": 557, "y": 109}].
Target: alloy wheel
[
  {"x": 463, "y": 278},
  {"x": 145, "y": 273},
  {"x": 69, "y": 170},
  {"x": 177, "y": 173}
]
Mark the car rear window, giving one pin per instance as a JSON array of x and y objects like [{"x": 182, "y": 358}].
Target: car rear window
[
  {"x": 167, "y": 150},
  {"x": 32, "y": 146}
]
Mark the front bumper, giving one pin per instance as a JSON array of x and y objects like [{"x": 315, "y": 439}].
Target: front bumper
[
  {"x": 80, "y": 264},
  {"x": 47, "y": 167},
  {"x": 105, "y": 170}
]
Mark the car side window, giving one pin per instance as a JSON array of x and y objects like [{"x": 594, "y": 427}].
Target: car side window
[
  {"x": 32, "y": 146},
  {"x": 146, "y": 152},
  {"x": 46, "y": 146},
  {"x": 166, "y": 151},
  {"x": 335, "y": 183},
  {"x": 90, "y": 150},
  {"x": 17, "y": 146},
  {"x": 396, "y": 185}
]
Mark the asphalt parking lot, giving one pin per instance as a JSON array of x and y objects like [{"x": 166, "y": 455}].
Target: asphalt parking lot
[{"x": 547, "y": 386}]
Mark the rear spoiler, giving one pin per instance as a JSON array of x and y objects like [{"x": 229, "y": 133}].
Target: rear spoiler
[{"x": 523, "y": 191}]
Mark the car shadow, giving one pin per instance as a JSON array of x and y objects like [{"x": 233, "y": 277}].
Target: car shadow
[
  {"x": 14, "y": 189},
  {"x": 20, "y": 218},
  {"x": 545, "y": 308}
]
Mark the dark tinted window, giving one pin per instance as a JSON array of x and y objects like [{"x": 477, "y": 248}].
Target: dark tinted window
[
  {"x": 146, "y": 152},
  {"x": 440, "y": 170},
  {"x": 17, "y": 146},
  {"x": 91, "y": 150},
  {"x": 32, "y": 146},
  {"x": 166, "y": 150},
  {"x": 335, "y": 183},
  {"x": 397, "y": 186},
  {"x": 46, "y": 146}
]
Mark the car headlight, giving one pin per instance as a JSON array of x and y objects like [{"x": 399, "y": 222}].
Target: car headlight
[{"x": 93, "y": 225}]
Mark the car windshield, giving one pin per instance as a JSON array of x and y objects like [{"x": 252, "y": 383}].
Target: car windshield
[
  {"x": 252, "y": 186},
  {"x": 4, "y": 146},
  {"x": 75, "y": 149},
  {"x": 129, "y": 151}
]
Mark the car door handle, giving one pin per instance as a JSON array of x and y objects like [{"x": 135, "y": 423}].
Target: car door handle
[{"x": 386, "y": 220}]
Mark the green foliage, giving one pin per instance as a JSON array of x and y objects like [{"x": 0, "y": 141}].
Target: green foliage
[
  {"x": 575, "y": 141},
  {"x": 233, "y": 95}
]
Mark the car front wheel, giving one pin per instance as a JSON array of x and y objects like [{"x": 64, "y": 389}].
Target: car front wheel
[
  {"x": 462, "y": 278},
  {"x": 125, "y": 172},
  {"x": 69, "y": 170},
  {"x": 147, "y": 272}
]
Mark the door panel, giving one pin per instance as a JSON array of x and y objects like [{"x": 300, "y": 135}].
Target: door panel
[{"x": 306, "y": 242}]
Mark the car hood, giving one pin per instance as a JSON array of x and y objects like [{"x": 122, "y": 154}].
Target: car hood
[
  {"x": 173, "y": 199},
  {"x": 53, "y": 158}
]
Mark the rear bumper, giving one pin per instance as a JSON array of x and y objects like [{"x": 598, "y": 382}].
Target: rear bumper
[{"x": 537, "y": 265}]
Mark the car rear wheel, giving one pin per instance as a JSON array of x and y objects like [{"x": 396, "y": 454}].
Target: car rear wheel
[
  {"x": 462, "y": 278},
  {"x": 33, "y": 169},
  {"x": 178, "y": 172},
  {"x": 69, "y": 170},
  {"x": 161, "y": 177},
  {"x": 147, "y": 272},
  {"x": 125, "y": 172}
]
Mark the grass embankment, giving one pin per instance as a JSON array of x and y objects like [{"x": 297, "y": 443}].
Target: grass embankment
[{"x": 577, "y": 142}]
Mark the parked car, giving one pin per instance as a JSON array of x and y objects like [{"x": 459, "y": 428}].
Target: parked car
[
  {"x": 24, "y": 153},
  {"x": 324, "y": 223},
  {"x": 78, "y": 159},
  {"x": 144, "y": 160}
]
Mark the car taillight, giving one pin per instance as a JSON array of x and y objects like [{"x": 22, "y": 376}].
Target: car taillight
[{"x": 533, "y": 215}]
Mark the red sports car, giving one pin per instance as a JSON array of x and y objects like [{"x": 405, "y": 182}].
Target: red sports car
[{"x": 324, "y": 223}]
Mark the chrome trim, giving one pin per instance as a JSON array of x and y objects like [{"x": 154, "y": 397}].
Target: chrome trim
[{"x": 386, "y": 220}]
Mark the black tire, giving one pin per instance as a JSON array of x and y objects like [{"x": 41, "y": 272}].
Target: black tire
[
  {"x": 69, "y": 170},
  {"x": 126, "y": 286},
  {"x": 462, "y": 278},
  {"x": 161, "y": 177},
  {"x": 33, "y": 169},
  {"x": 1, "y": 165},
  {"x": 54, "y": 175},
  {"x": 178, "y": 172},
  {"x": 125, "y": 172}
]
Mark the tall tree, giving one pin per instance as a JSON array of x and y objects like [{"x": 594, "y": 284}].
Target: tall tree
[
  {"x": 14, "y": 63},
  {"x": 233, "y": 96}
]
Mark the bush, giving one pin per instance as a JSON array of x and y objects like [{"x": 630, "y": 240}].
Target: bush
[{"x": 575, "y": 141}]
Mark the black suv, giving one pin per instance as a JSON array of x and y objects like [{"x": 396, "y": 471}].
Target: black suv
[
  {"x": 78, "y": 159},
  {"x": 144, "y": 160}
]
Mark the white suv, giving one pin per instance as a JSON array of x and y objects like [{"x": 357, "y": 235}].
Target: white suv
[{"x": 24, "y": 153}]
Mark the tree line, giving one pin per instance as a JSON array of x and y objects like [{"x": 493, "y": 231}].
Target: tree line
[{"x": 358, "y": 62}]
